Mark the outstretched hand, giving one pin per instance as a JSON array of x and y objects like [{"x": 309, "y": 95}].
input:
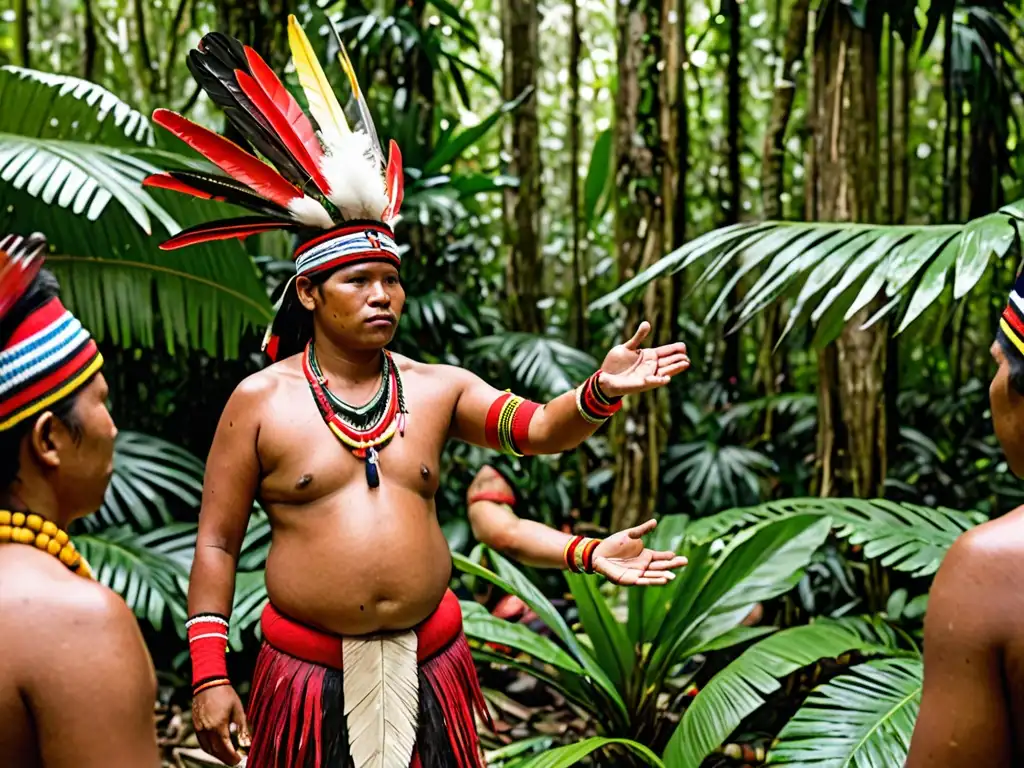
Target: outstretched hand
[
  {"x": 623, "y": 559},
  {"x": 628, "y": 369}
]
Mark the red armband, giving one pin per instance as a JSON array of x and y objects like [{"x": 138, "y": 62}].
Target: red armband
[
  {"x": 507, "y": 427},
  {"x": 208, "y": 646},
  {"x": 593, "y": 404},
  {"x": 498, "y": 497}
]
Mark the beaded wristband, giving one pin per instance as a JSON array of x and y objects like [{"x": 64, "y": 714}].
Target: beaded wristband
[
  {"x": 208, "y": 645},
  {"x": 578, "y": 554},
  {"x": 594, "y": 405}
]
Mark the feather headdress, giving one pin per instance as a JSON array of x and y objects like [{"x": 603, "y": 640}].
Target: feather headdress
[
  {"x": 45, "y": 354},
  {"x": 313, "y": 175}
]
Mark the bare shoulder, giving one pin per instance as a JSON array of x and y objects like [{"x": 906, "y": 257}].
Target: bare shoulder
[
  {"x": 980, "y": 579},
  {"x": 60, "y": 612},
  {"x": 258, "y": 388}
]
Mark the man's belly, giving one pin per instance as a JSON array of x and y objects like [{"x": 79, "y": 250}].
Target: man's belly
[{"x": 358, "y": 568}]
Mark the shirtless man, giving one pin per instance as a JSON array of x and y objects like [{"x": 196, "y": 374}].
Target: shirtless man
[
  {"x": 972, "y": 707},
  {"x": 364, "y": 660},
  {"x": 76, "y": 682}
]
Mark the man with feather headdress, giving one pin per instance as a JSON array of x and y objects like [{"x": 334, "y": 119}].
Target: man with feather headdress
[
  {"x": 364, "y": 661},
  {"x": 76, "y": 683}
]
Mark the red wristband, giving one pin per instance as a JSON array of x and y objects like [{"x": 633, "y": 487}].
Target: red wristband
[{"x": 208, "y": 645}]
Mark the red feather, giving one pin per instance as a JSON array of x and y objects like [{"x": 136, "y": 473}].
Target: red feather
[
  {"x": 20, "y": 262},
  {"x": 230, "y": 158},
  {"x": 163, "y": 181},
  {"x": 232, "y": 229},
  {"x": 286, "y": 105},
  {"x": 395, "y": 182}
]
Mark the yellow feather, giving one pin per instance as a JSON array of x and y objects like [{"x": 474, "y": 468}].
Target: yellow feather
[{"x": 323, "y": 104}]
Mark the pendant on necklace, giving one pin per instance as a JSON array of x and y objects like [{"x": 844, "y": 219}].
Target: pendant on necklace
[{"x": 372, "y": 471}]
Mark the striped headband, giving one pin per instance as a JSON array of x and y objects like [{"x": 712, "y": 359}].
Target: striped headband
[
  {"x": 350, "y": 243},
  {"x": 49, "y": 355},
  {"x": 1012, "y": 320}
]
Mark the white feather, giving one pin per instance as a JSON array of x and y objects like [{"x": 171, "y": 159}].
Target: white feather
[
  {"x": 381, "y": 688},
  {"x": 358, "y": 188},
  {"x": 308, "y": 211}
]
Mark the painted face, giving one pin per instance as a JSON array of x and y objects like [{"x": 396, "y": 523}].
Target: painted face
[
  {"x": 358, "y": 306},
  {"x": 1007, "y": 406}
]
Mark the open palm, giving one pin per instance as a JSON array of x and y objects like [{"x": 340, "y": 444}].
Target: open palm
[
  {"x": 628, "y": 369},
  {"x": 623, "y": 559}
]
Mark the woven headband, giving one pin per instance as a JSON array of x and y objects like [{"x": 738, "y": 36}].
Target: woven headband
[{"x": 50, "y": 354}]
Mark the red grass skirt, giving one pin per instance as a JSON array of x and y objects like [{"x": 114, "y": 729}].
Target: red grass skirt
[{"x": 296, "y": 707}]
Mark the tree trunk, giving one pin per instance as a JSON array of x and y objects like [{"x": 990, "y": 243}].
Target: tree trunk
[
  {"x": 579, "y": 268},
  {"x": 731, "y": 360},
  {"x": 644, "y": 223},
  {"x": 88, "y": 41},
  {"x": 24, "y": 33},
  {"x": 522, "y": 205},
  {"x": 853, "y": 422},
  {"x": 772, "y": 174}
]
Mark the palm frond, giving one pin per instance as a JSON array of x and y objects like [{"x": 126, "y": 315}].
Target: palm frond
[
  {"x": 834, "y": 270},
  {"x": 539, "y": 364},
  {"x": 148, "y": 472},
  {"x": 563, "y": 757},
  {"x": 905, "y": 537},
  {"x": 72, "y": 159},
  {"x": 863, "y": 719},
  {"x": 743, "y": 686},
  {"x": 149, "y": 571}
]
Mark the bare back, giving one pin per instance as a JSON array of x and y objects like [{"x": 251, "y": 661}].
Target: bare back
[
  {"x": 77, "y": 687},
  {"x": 346, "y": 557},
  {"x": 973, "y": 698}
]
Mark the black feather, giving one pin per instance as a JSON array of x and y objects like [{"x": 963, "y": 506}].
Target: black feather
[
  {"x": 433, "y": 741},
  {"x": 217, "y": 77},
  {"x": 333, "y": 728},
  {"x": 234, "y": 192},
  {"x": 225, "y": 48}
]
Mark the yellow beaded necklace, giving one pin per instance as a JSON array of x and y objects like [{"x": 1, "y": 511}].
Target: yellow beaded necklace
[{"x": 23, "y": 528}]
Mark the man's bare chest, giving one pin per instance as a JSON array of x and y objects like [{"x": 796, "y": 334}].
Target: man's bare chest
[{"x": 302, "y": 459}]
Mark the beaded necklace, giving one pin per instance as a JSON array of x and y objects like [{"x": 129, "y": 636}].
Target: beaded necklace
[
  {"x": 26, "y": 528},
  {"x": 362, "y": 429}
]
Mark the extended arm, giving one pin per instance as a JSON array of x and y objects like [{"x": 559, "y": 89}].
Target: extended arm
[
  {"x": 229, "y": 487},
  {"x": 964, "y": 717},
  {"x": 92, "y": 688},
  {"x": 621, "y": 558},
  {"x": 484, "y": 416}
]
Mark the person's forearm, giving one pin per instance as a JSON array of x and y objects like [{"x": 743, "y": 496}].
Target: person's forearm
[
  {"x": 562, "y": 425},
  {"x": 526, "y": 541},
  {"x": 211, "y": 586}
]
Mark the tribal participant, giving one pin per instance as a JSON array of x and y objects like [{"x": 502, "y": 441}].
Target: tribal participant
[
  {"x": 972, "y": 705},
  {"x": 76, "y": 683},
  {"x": 364, "y": 661}
]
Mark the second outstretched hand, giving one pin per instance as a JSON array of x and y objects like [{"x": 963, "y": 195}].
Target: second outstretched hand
[
  {"x": 623, "y": 559},
  {"x": 628, "y": 369}
]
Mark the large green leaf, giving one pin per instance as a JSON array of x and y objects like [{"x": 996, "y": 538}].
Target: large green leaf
[
  {"x": 742, "y": 687},
  {"x": 562, "y": 757},
  {"x": 863, "y": 719},
  {"x": 805, "y": 258},
  {"x": 760, "y": 563},
  {"x": 148, "y": 472},
  {"x": 72, "y": 160},
  {"x": 149, "y": 571},
  {"x": 481, "y": 625},
  {"x": 905, "y": 537},
  {"x": 540, "y": 364},
  {"x": 607, "y": 636}
]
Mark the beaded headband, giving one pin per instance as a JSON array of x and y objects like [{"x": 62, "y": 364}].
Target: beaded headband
[
  {"x": 1012, "y": 320},
  {"x": 319, "y": 176},
  {"x": 50, "y": 354}
]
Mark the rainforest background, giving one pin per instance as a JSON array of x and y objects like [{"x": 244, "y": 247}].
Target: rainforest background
[{"x": 818, "y": 196}]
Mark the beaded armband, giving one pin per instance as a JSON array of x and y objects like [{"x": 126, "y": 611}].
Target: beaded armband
[
  {"x": 208, "y": 646},
  {"x": 578, "y": 554},
  {"x": 593, "y": 404},
  {"x": 508, "y": 424}
]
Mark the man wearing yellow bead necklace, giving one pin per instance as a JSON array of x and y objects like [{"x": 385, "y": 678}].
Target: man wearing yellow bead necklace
[
  {"x": 364, "y": 662},
  {"x": 76, "y": 683}
]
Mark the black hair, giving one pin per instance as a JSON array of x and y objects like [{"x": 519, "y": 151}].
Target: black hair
[
  {"x": 43, "y": 288},
  {"x": 1014, "y": 359}
]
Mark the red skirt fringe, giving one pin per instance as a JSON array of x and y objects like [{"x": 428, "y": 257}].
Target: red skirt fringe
[{"x": 296, "y": 705}]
